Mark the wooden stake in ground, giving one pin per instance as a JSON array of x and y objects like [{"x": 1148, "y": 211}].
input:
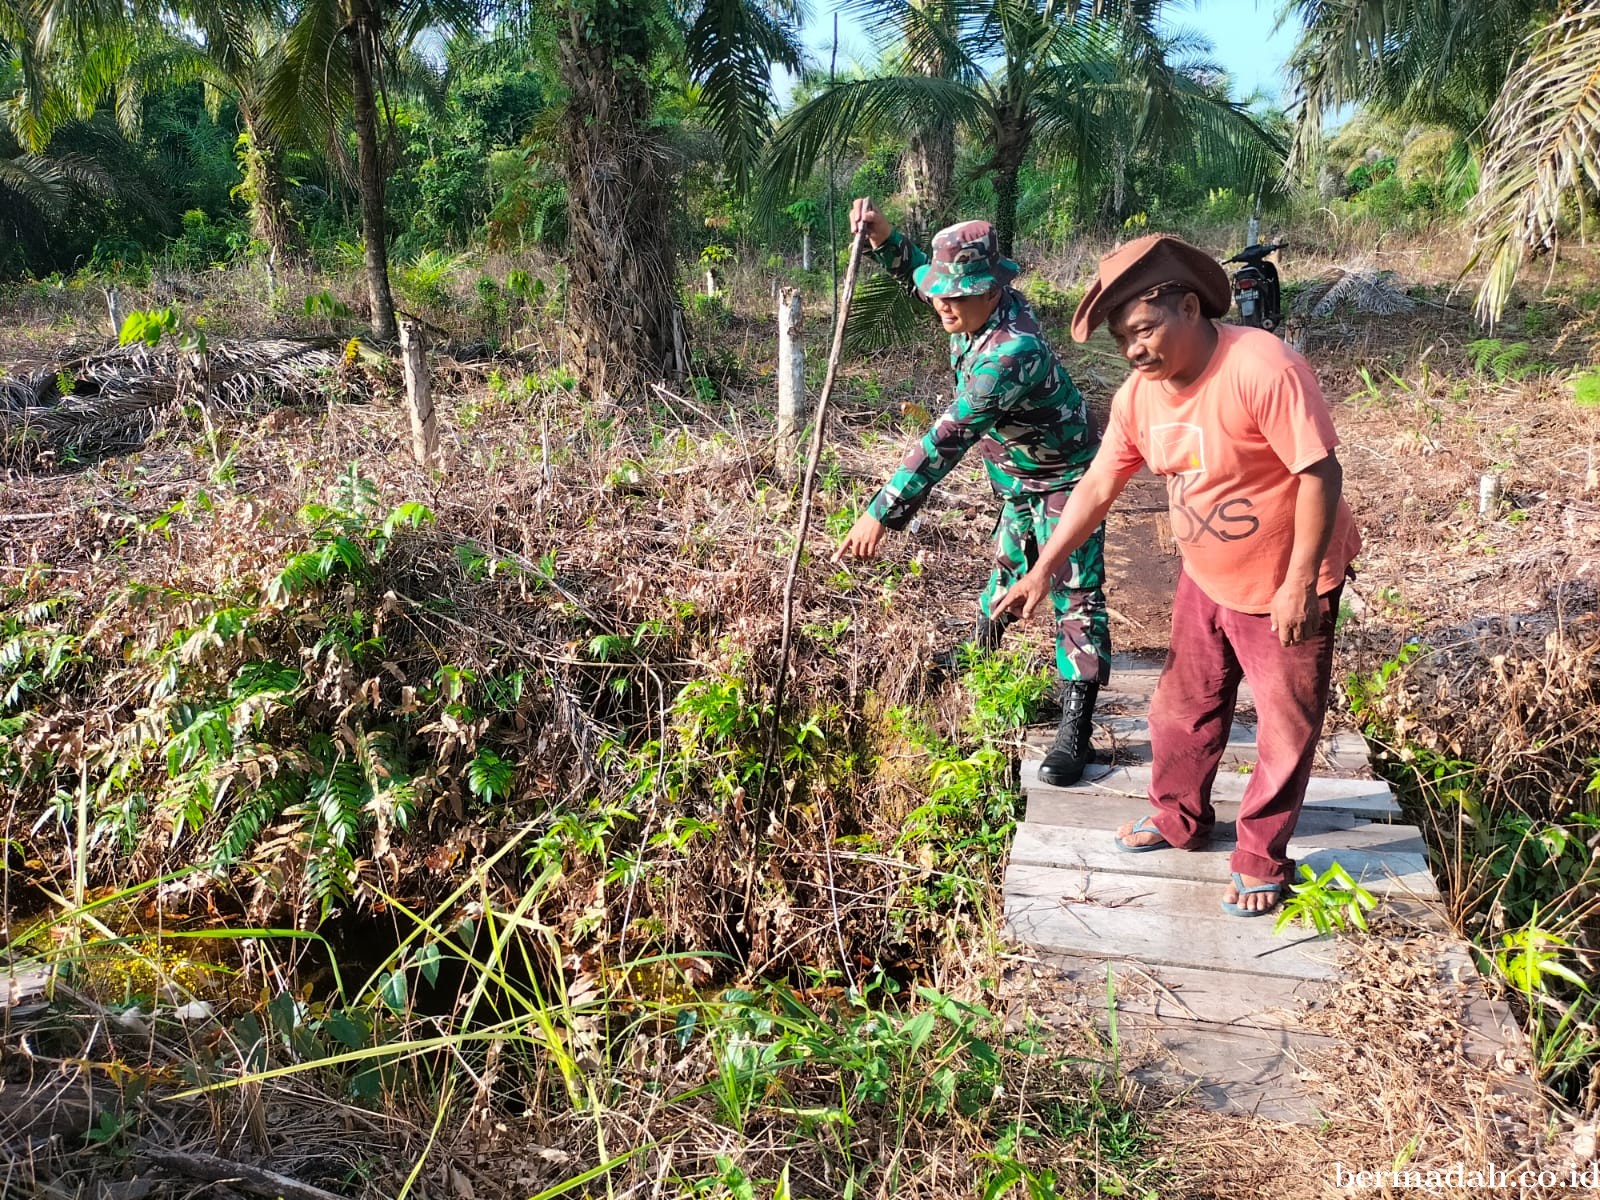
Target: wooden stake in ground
[
  {"x": 819, "y": 425},
  {"x": 1489, "y": 495},
  {"x": 419, "y": 395},
  {"x": 791, "y": 381}
]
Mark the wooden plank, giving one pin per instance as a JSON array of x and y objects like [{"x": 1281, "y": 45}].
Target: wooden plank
[
  {"x": 1137, "y": 729},
  {"x": 1367, "y": 798},
  {"x": 1490, "y": 1025},
  {"x": 1386, "y": 859},
  {"x": 1345, "y": 752},
  {"x": 1172, "y": 993},
  {"x": 1244, "y": 1071},
  {"x": 1170, "y": 922},
  {"x": 21, "y": 984},
  {"x": 1133, "y": 682},
  {"x": 1128, "y": 739},
  {"x": 1108, "y": 812},
  {"x": 1342, "y": 753}
]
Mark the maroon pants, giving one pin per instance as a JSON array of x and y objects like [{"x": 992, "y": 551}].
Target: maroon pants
[{"x": 1212, "y": 649}]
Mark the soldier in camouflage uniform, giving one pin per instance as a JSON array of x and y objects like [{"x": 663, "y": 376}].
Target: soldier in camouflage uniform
[{"x": 1014, "y": 400}]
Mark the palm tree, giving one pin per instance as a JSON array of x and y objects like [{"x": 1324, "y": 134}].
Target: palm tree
[
  {"x": 1517, "y": 81},
  {"x": 928, "y": 169},
  {"x": 1542, "y": 146},
  {"x": 235, "y": 43},
  {"x": 623, "y": 309},
  {"x": 338, "y": 59},
  {"x": 97, "y": 56},
  {"x": 36, "y": 183},
  {"x": 1027, "y": 75},
  {"x": 1442, "y": 62}
]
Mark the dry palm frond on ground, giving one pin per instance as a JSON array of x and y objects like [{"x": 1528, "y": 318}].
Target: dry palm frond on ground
[
  {"x": 1357, "y": 287},
  {"x": 113, "y": 399}
]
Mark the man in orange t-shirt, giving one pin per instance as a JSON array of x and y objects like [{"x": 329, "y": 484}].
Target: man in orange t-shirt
[{"x": 1236, "y": 423}]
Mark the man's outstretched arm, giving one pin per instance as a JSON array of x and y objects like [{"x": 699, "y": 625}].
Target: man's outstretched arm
[{"x": 1092, "y": 497}]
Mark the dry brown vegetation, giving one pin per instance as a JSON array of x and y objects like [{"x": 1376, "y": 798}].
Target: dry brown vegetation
[{"x": 610, "y": 559}]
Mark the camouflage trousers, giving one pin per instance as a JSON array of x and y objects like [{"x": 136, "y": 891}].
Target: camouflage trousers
[{"x": 1083, "y": 633}]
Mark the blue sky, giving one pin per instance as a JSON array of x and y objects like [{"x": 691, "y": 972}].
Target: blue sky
[{"x": 1240, "y": 32}]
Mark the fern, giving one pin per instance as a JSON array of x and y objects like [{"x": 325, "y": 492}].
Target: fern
[
  {"x": 394, "y": 794},
  {"x": 225, "y": 625},
  {"x": 40, "y": 611},
  {"x": 312, "y": 569},
  {"x": 355, "y": 494},
  {"x": 245, "y": 826},
  {"x": 489, "y": 776},
  {"x": 199, "y": 733},
  {"x": 1502, "y": 360},
  {"x": 409, "y": 513},
  {"x": 340, "y": 796},
  {"x": 329, "y": 868},
  {"x": 27, "y": 681}
]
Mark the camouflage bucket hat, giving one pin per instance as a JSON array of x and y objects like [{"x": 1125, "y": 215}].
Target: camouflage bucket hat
[{"x": 966, "y": 262}]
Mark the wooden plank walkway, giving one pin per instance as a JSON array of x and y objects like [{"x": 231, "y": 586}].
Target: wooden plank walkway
[{"x": 1223, "y": 997}]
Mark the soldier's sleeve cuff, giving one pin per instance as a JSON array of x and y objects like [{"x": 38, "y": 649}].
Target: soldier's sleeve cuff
[
  {"x": 893, "y": 513},
  {"x": 891, "y": 248}
]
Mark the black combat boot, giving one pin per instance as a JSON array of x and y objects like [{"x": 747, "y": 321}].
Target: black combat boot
[
  {"x": 1063, "y": 765},
  {"x": 985, "y": 636}
]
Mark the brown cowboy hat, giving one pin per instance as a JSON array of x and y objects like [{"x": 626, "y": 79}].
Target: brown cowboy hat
[{"x": 1144, "y": 264}]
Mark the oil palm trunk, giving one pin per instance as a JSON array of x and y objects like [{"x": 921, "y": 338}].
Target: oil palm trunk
[
  {"x": 622, "y": 301},
  {"x": 1013, "y": 132},
  {"x": 930, "y": 171},
  {"x": 271, "y": 219},
  {"x": 364, "y": 46}
]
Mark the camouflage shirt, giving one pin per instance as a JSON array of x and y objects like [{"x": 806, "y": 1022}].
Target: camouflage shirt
[{"x": 1012, "y": 397}]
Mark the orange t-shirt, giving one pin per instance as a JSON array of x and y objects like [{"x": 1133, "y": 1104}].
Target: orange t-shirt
[{"x": 1230, "y": 445}]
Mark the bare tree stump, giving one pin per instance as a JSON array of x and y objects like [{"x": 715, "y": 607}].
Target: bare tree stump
[
  {"x": 791, "y": 380},
  {"x": 114, "y": 310},
  {"x": 419, "y": 395},
  {"x": 805, "y": 249}
]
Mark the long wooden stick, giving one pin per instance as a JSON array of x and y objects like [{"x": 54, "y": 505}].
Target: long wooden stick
[
  {"x": 818, "y": 427},
  {"x": 258, "y": 1181}
]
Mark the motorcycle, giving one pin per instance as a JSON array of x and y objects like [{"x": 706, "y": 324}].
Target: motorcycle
[{"x": 1255, "y": 285}]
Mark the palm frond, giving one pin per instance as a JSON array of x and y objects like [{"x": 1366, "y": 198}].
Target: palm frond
[
  {"x": 309, "y": 81},
  {"x": 856, "y": 107},
  {"x": 926, "y": 37},
  {"x": 883, "y": 315},
  {"x": 1543, "y": 147},
  {"x": 411, "y": 19},
  {"x": 1428, "y": 59},
  {"x": 32, "y": 180},
  {"x": 732, "y": 47}
]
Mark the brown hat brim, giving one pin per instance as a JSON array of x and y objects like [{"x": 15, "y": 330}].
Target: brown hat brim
[{"x": 1144, "y": 264}]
